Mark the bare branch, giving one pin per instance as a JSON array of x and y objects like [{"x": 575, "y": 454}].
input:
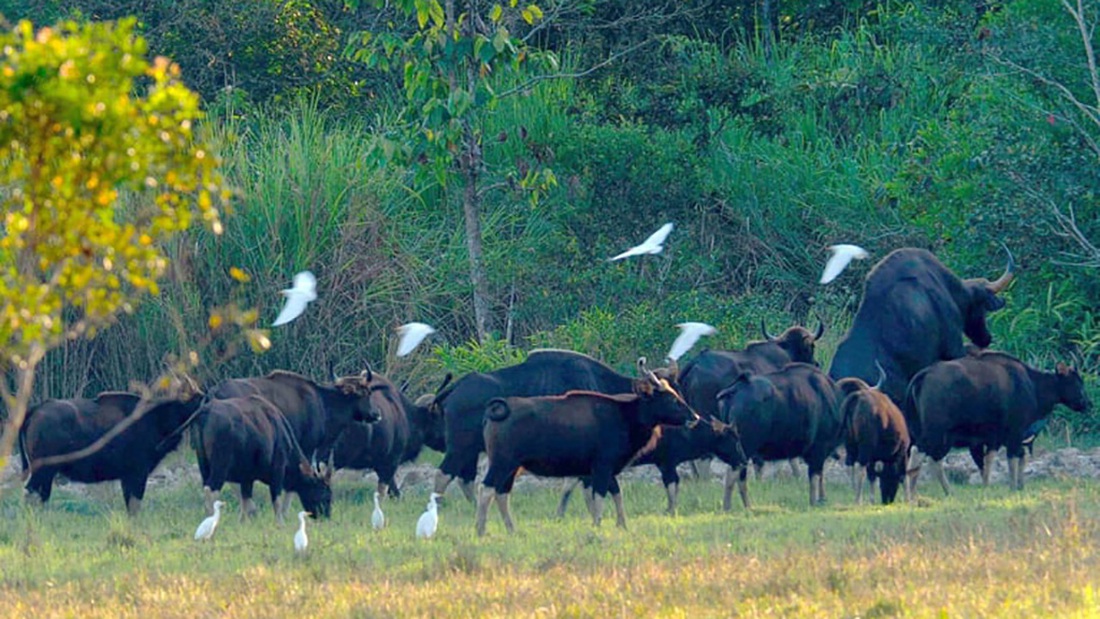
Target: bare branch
[
  {"x": 1065, "y": 226},
  {"x": 573, "y": 75}
]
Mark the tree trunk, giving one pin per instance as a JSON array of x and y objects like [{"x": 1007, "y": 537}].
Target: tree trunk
[
  {"x": 770, "y": 26},
  {"x": 470, "y": 163}
]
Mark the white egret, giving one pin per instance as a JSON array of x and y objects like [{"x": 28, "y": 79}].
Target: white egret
[
  {"x": 207, "y": 526},
  {"x": 842, "y": 255},
  {"x": 297, "y": 297},
  {"x": 653, "y": 245},
  {"x": 411, "y": 335},
  {"x": 377, "y": 518},
  {"x": 690, "y": 332},
  {"x": 429, "y": 520},
  {"x": 301, "y": 542}
]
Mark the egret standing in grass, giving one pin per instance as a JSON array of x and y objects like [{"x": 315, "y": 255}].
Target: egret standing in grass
[
  {"x": 411, "y": 335},
  {"x": 377, "y": 518},
  {"x": 301, "y": 542},
  {"x": 653, "y": 245},
  {"x": 297, "y": 297},
  {"x": 207, "y": 526},
  {"x": 429, "y": 520},
  {"x": 842, "y": 255}
]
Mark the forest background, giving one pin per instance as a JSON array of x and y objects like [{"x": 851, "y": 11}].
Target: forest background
[{"x": 765, "y": 129}]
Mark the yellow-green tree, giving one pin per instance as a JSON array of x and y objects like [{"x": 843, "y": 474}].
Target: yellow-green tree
[{"x": 99, "y": 166}]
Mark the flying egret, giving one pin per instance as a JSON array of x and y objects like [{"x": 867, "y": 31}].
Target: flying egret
[
  {"x": 429, "y": 520},
  {"x": 207, "y": 526},
  {"x": 301, "y": 542},
  {"x": 377, "y": 519},
  {"x": 411, "y": 335},
  {"x": 297, "y": 297},
  {"x": 842, "y": 255},
  {"x": 690, "y": 332},
  {"x": 653, "y": 245}
]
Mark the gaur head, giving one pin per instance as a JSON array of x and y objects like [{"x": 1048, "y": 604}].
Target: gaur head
[
  {"x": 726, "y": 443},
  {"x": 796, "y": 341},
  {"x": 983, "y": 299},
  {"x": 430, "y": 422},
  {"x": 661, "y": 402},
  {"x": 356, "y": 391},
  {"x": 1071, "y": 389},
  {"x": 315, "y": 490}
]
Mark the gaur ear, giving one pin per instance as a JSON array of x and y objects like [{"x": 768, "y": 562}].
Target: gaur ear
[{"x": 306, "y": 469}]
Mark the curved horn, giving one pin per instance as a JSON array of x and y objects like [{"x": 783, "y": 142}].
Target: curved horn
[
  {"x": 446, "y": 381},
  {"x": 764, "y": 329},
  {"x": 641, "y": 366},
  {"x": 1010, "y": 272},
  {"x": 881, "y": 376},
  {"x": 820, "y": 329}
]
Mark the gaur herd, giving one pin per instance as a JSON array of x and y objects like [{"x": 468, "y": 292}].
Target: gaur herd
[{"x": 903, "y": 386}]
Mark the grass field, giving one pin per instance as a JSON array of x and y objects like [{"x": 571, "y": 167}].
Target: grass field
[{"x": 980, "y": 553}]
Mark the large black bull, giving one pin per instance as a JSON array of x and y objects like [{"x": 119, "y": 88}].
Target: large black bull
[
  {"x": 402, "y": 432},
  {"x": 915, "y": 312},
  {"x": 986, "y": 401},
  {"x": 544, "y": 372},
  {"x": 59, "y": 427},
  {"x": 317, "y": 413},
  {"x": 245, "y": 440},
  {"x": 789, "y": 413}
]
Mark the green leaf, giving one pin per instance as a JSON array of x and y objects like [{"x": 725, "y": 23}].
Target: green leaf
[{"x": 495, "y": 13}]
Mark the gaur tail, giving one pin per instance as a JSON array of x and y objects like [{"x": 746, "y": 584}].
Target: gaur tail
[
  {"x": 194, "y": 428},
  {"x": 23, "y": 457},
  {"x": 909, "y": 407},
  {"x": 497, "y": 410}
]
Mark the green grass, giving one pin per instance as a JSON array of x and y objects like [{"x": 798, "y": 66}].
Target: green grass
[{"x": 982, "y": 552}]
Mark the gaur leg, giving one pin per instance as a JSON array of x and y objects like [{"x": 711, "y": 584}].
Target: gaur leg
[
  {"x": 442, "y": 480},
  {"x": 758, "y": 468},
  {"x": 468, "y": 489},
  {"x": 743, "y": 487},
  {"x": 504, "y": 491},
  {"x": 937, "y": 470},
  {"x": 133, "y": 491},
  {"x": 41, "y": 484},
  {"x": 987, "y": 465},
  {"x": 483, "y": 502},
  {"x": 1016, "y": 470},
  {"x": 602, "y": 481},
  {"x": 248, "y": 506},
  {"x": 567, "y": 488},
  {"x": 858, "y": 475},
  {"x": 210, "y": 495},
  {"x": 617, "y": 497},
  {"x": 383, "y": 489},
  {"x": 589, "y": 499},
  {"x": 793, "y": 463},
  {"x": 505, "y": 511},
  {"x": 912, "y": 469},
  {"x": 671, "y": 480}
]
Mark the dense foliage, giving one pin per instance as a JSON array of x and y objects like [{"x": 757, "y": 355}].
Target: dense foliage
[{"x": 765, "y": 130}]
